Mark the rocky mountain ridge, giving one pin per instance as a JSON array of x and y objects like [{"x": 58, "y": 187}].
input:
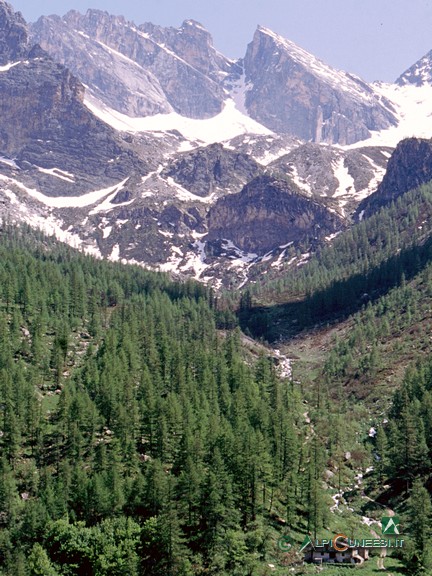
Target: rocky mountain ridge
[
  {"x": 419, "y": 74},
  {"x": 221, "y": 212},
  {"x": 14, "y": 43},
  {"x": 145, "y": 69},
  {"x": 270, "y": 212},
  {"x": 139, "y": 70}
]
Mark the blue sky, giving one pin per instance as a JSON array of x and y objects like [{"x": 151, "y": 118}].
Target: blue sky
[{"x": 376, "y": 39}]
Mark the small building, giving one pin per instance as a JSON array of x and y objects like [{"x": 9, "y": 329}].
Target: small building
[{"x": 326, "y": 554}]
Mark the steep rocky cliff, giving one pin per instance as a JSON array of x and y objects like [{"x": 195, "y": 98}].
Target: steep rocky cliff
[
  {"x": 289, "y": 90},
  {"x": 13, "y": 35},
  {"x": 270, "y": 212},
  {"x": 46, "y": 126},
  {"x": 145, "y": 69},
  {"x": 220, "y": 213},
  {"x": 345, "y": 176},
  {"x": 419, "y": 74}
]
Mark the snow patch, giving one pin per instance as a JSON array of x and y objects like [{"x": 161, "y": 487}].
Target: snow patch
[
  {"x": 186, "y": 146},
  {"x": 414, "y": 110},
  {"x": 106, "y": 231},
  {"x": 9, "y": 162},
  {"x": 115, "y": 254},
  {"x": 51, "y": 226},
  {"x": 186, "y": 196},
  {"x": 303, "y": 259},
  {"x": 332, "y": 236},
  {"x": 58, "y": 174},
  {"x": 196, "y": 262},
  {"x": 229, "y": 123},
  {"x": 107, "y": 204},
  {"x": 65, "y": 201},
  {"x": 240, "y": 259},
  {"x": 269, "y": 156},
  {"x": 7, "y": 67},
  {"x": 302, "y": 183},
  {"x": 379, "y": 172},
  {"x": 278, "y": 262},
  {"x": 173, "y": 262},
  {"x": 346, "y": 181}
]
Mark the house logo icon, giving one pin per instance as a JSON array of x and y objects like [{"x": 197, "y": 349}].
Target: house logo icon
[{"x": 390, "y": 525}]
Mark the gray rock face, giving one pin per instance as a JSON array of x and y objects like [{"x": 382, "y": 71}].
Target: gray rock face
[
  {"x": 45, "y": 123},
  {"x": 147, "y": 69},
  {"x": 409, "y": 166},
  {"x": 13, "y": 35},
  {"x": 116, "y": 81},
  {"x": 194, "y": 44},
  {"x": 267, "y": 213},
  {"x": 213, "y": 169},
  {"x": 311, "y": 166},
  {"x": 139, "y": 70},
  {"x": 292, "y": 91}
]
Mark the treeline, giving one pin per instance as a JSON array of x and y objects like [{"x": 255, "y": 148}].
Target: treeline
[{"x": 135, "y": 438}]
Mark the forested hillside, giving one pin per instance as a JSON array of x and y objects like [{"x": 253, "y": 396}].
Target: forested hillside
[
  {"x": 136, "y": 438},
  {"x": 358, "y": 318}
]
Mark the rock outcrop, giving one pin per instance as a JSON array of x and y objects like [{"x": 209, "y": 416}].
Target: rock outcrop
[
  {"x": 13, "y": 35},
  {"x": 409, "y": 166},
  {"x": 419, "y": 74},
  {"x": 329, "y": 171},
  {"x": 221, "y": 213},
  {"x": 212, "y": 169},
  {"x": 45, "y": 124},
  {"x": 267, "y": 213},
  {"x": 145, "y": 69}
]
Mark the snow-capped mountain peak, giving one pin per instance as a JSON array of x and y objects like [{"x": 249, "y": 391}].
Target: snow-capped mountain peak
[{"x": 419, "y": 74}]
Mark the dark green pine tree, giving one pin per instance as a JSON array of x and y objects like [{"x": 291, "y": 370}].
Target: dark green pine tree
[{"x": 420, "y": 521}]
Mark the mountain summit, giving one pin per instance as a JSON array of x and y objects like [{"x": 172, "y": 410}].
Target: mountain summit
[
  {"x": 290, "y": 90},
  {"x": 14, "y": 43},
  {"x": 139, "y": 70},
  {"x": 143, "y": 70}
]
